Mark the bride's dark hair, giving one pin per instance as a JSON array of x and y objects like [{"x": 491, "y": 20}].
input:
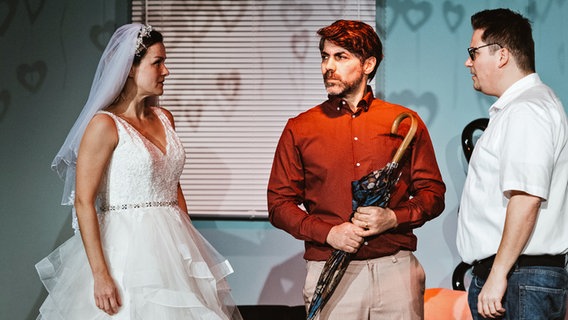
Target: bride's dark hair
[{"x": 153, "y": 38}]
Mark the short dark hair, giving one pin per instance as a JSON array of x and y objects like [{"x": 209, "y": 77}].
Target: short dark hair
[
  {"x": 510, "y": 30},
  {"x": 153, "y": 38},
  {"x": 357, "y": 37}
]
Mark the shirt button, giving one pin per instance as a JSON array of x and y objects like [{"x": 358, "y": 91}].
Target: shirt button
[
  {"x": 358, "y": 164},
  {"x": 366, "y": 243},
  {"x": 353, "y": 116},
  {"x": 355, "y": 138}
]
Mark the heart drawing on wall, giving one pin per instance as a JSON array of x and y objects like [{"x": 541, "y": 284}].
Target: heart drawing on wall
[
  {"x": 7, "y": 12},
  {"x": 229, "y": 85},
  {"x": 32, "y": 76},
  {"x": 426, "y": 104},
  {"x": 537, "y": 12},
  {"x": 197, "y": 26},
  {"x": 453, "y": 15},
  {"x": 415, "y": 14},
  {"x": 299, "y": 44},
  {"x": 231, "y": 12},
  {"x": 189, "y": 113},
  {"x": 295, "y": 13},
  {"x": 100, "y": 35},
  {"x": 34, "y": 8}
]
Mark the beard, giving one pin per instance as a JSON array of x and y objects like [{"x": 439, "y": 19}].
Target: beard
[{"x": 335, "y": 86}]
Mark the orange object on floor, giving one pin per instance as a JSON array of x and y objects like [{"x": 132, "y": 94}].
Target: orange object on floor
[{"x": 446, "y": 304}]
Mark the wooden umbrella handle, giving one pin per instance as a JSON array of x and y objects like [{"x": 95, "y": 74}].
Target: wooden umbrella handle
[{"x": 407, "y": 138}]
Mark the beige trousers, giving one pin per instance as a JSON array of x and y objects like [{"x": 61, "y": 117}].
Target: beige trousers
[{"x": 386, "y": 288}]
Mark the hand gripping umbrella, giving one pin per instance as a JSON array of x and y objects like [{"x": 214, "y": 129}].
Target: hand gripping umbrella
[{"x": 373, "y": 189}]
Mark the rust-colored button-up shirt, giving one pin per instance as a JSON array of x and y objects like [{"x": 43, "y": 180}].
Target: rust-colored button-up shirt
[{"x": 322, "y": 150}]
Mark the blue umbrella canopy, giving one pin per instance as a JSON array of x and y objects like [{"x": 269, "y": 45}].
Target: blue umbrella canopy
[{"x": 373, "y": 189}]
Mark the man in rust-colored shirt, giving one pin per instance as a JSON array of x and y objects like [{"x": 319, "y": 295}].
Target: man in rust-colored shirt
[{"x": 321, "y": 151}]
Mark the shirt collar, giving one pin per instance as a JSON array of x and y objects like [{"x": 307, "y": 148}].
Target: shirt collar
[
  {"x": 363, "y": 105},
  {"x": 514, "y": 91}
]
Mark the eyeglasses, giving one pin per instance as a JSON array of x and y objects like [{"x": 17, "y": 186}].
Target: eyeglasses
[{"x": 472, "y": 50}]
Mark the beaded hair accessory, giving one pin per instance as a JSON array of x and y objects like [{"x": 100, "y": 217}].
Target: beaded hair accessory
[{"x": 144, "y": 33}]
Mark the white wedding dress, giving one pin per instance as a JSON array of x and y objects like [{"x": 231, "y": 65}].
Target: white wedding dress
[{"x": 163, "y": 267}]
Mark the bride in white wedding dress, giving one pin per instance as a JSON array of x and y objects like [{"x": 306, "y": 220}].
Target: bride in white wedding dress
[{"x": 136, "y": 255}]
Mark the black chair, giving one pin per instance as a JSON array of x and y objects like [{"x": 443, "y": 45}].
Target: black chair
[
  {"x": 467, "y": 138},
  {"x": 273, "y": 312},
  {"x": 468, "y": 143},
  {"x": 459, "y": 275}
]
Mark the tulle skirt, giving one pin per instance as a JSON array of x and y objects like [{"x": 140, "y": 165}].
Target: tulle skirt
[{"x": 163, "y": 267}]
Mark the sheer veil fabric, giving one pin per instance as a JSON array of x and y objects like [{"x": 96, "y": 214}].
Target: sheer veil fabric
[{"x": 110, "y": 77}]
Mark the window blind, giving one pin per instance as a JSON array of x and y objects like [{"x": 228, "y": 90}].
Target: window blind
[{"x": 238, "y": 71}]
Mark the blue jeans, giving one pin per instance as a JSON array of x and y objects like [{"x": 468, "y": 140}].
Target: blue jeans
[{"x": 533, "y": 293}]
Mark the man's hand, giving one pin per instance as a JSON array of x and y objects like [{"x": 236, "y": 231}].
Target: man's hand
[
  {"x": 489, "y": 299},
  {"x": 522, "y": 211},
  {"x": 346, "y": 237},
  {"x": 375, "y": 220}
]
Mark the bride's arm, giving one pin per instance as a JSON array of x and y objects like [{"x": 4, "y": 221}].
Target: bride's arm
[{"x": 98, "y": 143}]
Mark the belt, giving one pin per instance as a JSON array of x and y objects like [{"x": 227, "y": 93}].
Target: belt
[
  {"x": 149, "y": 204},
  {"x": 482, "y": 267}
]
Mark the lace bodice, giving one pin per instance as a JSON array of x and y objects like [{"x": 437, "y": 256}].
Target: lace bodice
[{"x": 139, "y": 174}]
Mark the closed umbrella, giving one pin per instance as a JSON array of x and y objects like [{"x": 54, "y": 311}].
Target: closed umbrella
[{"x": 374, "y": 189}]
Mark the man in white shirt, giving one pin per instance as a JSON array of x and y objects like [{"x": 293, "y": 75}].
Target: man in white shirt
[{"x": 513, "y": 219}]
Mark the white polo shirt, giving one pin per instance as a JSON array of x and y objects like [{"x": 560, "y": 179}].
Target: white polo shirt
[{"x": 524, "y": 148}]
